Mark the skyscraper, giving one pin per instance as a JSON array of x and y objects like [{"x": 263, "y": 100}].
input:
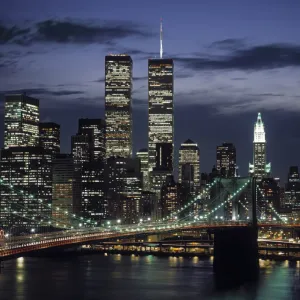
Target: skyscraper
[
  {"x": 26, "y": 176},
  {"x": 80, "y": 149},
  {"x": 95, "y": 130},
  {"x": 118, "y": 117},
  {"x": 21, "y": 121},
  {"x": 189, "y": 166},
  {"x": 65, "y": 188},
  {"x": 260, "y": 168},
  {"x": 292, "y": 190},
  {"x": 50, "y": 136},
  {"x": 226, "y": 160},
  {"x": 93, "y": 203},
  {"x": 160, "y": 94}
]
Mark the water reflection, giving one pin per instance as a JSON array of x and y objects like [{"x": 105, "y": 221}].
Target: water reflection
[{"x": 138, "y": 277}]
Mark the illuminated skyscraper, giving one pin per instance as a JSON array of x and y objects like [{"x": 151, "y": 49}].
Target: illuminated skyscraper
[
  {"x": 160, "y": 117},
  {"x": 226, "y": 160},
  {"x": 26, "y": 188},
  {"x": 50, "y": 136},
  {"x": 21, "y": 121},
  {"x": 260, "y": 168},
  {"x": 95, "y": 130},
  {"x": 118, "y": 117},
  {"x": 189, "y": 166}
]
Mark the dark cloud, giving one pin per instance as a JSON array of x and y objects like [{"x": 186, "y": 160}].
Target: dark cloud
[
  {"x": 255, "y": 58},
  {"x": 238, "y": 78},
  {"x": 228, "y": 44},
  {"x": 66, "y": 31},
  {"x": 42, "y": 91},
  {"x": 13, "y": 33}
]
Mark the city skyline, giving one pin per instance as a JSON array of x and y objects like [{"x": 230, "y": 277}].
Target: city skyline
[{"x": 208, "y": 92}]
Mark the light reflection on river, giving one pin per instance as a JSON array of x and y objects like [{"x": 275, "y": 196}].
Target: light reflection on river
[{"x": 134, "y": 277}]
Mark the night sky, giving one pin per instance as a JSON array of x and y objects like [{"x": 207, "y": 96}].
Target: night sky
[{"x": 232, "y": 59}]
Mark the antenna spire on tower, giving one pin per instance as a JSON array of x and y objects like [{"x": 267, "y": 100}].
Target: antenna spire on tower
[{"x": 161, "y": 39}]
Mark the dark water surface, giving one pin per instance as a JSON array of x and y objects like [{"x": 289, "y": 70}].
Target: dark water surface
[{"x": 130, "y": 278}]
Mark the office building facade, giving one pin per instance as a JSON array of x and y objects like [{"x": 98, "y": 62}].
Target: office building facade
[
  {"x": 118, "y": 102},
  {"x": 94, "y": 129},
  {"x": 189, "y": 166},
  {"x": 226, "y": 160},
  {"x": 160, "y": 100},
  {"x": 21, "y": 121},
  {"x": 50, "y": 136},
  {"x": 26, "y": 188}
]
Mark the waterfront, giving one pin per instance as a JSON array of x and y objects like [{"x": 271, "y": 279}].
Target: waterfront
[{"x": 137, "y": 277}]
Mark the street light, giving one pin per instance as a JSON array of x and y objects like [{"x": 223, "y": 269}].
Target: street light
[
  {"x": 32, "y": 230},
  {"x": 119, "y": 221}
]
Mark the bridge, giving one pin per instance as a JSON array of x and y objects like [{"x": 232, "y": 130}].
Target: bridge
[{"x": 224, "y": 204}]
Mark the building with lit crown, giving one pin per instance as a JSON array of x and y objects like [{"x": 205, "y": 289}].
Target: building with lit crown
[
  {"x": 118, "y": 115},
  {"x": 21, "y": 121},
  {"x": 259, "y": 168},
  {"x": 50, "y": 136}
]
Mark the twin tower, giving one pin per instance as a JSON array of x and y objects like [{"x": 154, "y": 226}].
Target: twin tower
[{"x": 118, "y": 106}]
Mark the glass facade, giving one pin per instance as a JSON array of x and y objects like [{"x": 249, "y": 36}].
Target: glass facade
[
  {"x": 21, "y": 121},
  {"x": 118, "y": 115},
  {"x": 160, "y": 114}
]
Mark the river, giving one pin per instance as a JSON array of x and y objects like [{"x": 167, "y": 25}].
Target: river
[{"x": 133, "y": 277}]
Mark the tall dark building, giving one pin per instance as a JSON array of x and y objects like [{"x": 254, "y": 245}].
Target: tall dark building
[
  {"x": 271, "y": 191},
  {"x": 189, "y": 166},
  {"x": 26, "y": 188},
  {"x": 164, "y": 156},
  {"x": 21, "y": 121},
  {"x": 66, "y": 188},
  {"x": 93, "y": 203},
  {"x": 142, "y": 155},
  {"x": 95, "y": 130},
  {"x": 292, "y": 189},
  {"x": 171, "y": 196},
  {"x": 226, "y": 160},
  {"x": 124, "y": 187},
  {"x": 118, "y": 116},
  {"x": 161, "y": 112},
  {"x": 50, "y": 136},
  {"x": 80, "y": 146}
]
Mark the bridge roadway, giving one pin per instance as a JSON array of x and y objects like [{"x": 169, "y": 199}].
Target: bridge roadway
[{"x": 16, "y": 246}]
